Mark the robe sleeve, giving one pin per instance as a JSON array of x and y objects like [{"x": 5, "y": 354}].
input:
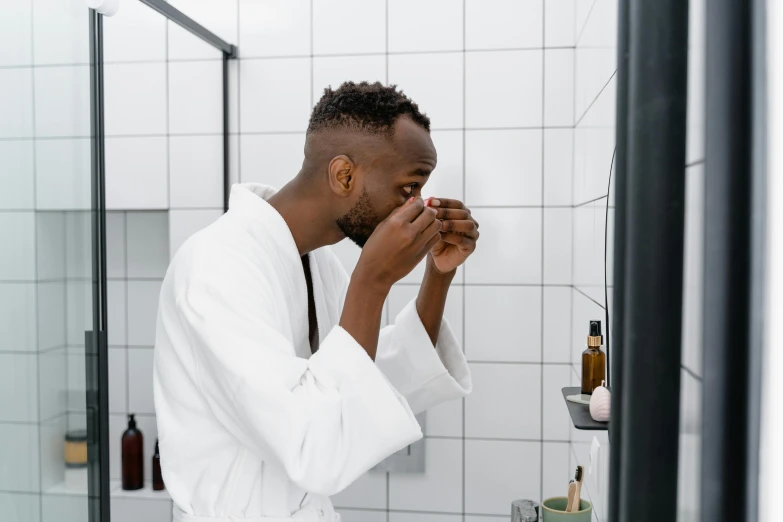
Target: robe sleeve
[
  {"x": 424, "y": 375},
  {"x": 326, "y": 420}
]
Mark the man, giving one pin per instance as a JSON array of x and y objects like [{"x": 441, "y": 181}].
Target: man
[{"x": 274, "y": 387}]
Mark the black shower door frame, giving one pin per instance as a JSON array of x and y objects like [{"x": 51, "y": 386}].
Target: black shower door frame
[{"x": 96, "y": 351}]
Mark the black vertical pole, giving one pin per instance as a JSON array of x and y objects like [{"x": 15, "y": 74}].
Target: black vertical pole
[
  {"x": 727, "y": 260},
  {"x": 655, "y": 193},
  {"x": 96, "y": 343},
  {"x": 618, "y": 309},
  {"x": 758, "y": 175},
  {"x": 226, "y": 173}
]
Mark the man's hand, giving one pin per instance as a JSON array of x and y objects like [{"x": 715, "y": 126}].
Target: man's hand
[
  {"x": 399, "y": 243},
  {"x": 459, "y": 234}
]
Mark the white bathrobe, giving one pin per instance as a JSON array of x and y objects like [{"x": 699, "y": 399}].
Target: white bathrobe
[{"x": 253, "y": 426}]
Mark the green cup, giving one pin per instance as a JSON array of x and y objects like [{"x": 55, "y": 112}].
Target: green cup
[{"x": 553, "y": 510}]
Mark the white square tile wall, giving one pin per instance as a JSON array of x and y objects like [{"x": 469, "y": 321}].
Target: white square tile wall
[
  {"x": 594, "y": 66},
  {"x": 416, "y": 33},
  {"x": 367, "y": 22},
  {"x": 135, "y": 98},
  {"x": 368, "y": 491},
  {"x": 503, "y": 113},
  {"x": 514, "y": 157},
  {"x": 434, "y": 82},
  {"x": 195, "y": 97},
  {"x": 16, "y": 34},
  {"x": 16, "y": 108},
  {"x": 439, "y": 488},
  {"x": 275, "y": 94},
  {"x": 16, "y": 177},
  {"x": 504, "y": 24},
  {"x": 331, "y": 71},
  {"x": 272, "y": 27},
  {"x": 492, "y": 410},
  {"x": 139, "y": 24},
  {"x": 504, "y": 89}
]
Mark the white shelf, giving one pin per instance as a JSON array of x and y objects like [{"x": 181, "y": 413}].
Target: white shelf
[
  {"x": 115, "y": 487},
  {"x": 60, "y": 489},
  {"x": 146, "y": 493}
]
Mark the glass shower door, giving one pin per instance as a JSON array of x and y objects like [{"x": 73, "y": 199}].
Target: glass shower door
[{"x": 52, "y": 305}]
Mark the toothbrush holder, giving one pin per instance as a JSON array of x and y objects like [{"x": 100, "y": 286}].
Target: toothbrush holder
[{"x": 553, "y": 510}]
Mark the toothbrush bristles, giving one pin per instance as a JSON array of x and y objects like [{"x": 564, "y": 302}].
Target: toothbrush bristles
[{"x": 578, "y": 474}]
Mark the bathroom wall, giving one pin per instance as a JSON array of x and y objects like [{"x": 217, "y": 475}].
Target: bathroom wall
[
  {"x": 164, "y": 180},
  {"x": 44, "y": 195},
  {"x": 497, "y": 79},
  {"x": 594, "y": 138}
]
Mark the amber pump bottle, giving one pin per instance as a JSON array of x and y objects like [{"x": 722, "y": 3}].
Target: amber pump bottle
[
  {"x": 132, "y": 456},
  {"x": 157, "y": 476},
  {"x": 593, "y": 360}
]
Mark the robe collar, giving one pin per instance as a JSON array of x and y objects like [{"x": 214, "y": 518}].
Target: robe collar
[{"x": 265, "y": 225}]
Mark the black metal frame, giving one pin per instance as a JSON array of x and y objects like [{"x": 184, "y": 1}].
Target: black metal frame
[
  {"x": 733, "y": 255},
  {"x": 96, "y": 344},
  {"x": 229, "y": 52},
  {"x": 618, "y": 309},
  {"x": 650, "y": 196}
]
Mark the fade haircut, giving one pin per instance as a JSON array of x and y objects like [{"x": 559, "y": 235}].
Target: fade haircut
[{"x": 372, "y": 108}]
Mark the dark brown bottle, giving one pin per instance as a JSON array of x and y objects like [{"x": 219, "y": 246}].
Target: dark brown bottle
[
  {"x": 157, "y": 476},
  {"x": 132, "y": 456},
  {"x": 593, "y": 360}
]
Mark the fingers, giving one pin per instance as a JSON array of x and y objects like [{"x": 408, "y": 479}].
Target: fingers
[
  {"x": 434, "y": 240},
  {"x": 450, "y": 209},
  {"x": 457, "y": 239},
  {"x": 466, "y": 227},
  {"x": 451, "y": 213},
  {"x": 411, "y": 209},
  {"x": 445, "y": 203},
  {"x": 425, "y": 219},
  {"x": 432, "y": 229}
]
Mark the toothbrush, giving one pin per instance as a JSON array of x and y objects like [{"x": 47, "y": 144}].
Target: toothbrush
[
  {"x": 574, "y": 504},
  {"x": 571, "y": 494}
]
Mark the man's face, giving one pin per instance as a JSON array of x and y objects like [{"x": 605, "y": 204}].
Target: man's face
[{"x": 396, "y": 171}]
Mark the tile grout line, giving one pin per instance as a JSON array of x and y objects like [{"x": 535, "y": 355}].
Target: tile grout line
[
  {"x": 584, "y": 24},
  {"x": 588, "y": 297},
  {"x": 543, "y": 250},
  {"x": 65, "y": 320},
  {"x": 573, "y": 214},
  {"x": 239, "y": 98},
  {"x": 587, "y": 109},
  {"x": 388, "y": 308},
  {"x": 168, "y": 117},
  {"x": 127, "y": 312},
  {"x": 464, "y": 278},
  {"x": 35, "y": 266}
]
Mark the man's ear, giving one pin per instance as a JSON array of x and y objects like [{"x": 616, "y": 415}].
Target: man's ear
[{"x": 342, "y": 175}]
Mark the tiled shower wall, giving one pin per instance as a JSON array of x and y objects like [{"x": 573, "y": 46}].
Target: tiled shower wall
[
  {"x": 497, "y": 79},
  {"x": 593, "y": 201},
  {"x": 44, "y": 196},
  {"x": 594, "y": 135}
]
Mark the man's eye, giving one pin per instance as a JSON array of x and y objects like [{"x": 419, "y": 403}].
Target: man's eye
[{"x": 409, "y": 188}]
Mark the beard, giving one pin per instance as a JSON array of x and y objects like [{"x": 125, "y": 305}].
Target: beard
[{"x": 359, "y": 223}]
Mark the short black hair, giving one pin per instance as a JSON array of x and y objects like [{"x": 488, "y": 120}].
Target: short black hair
[{"x": 367, "y": 107}]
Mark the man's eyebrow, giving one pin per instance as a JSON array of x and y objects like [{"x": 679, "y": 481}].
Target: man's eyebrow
[{"x": 421, "y": 172}]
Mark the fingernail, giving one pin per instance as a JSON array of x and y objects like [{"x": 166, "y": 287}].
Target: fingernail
[
  {"x": 434, "y": 202},
  {"x": 411, "y": 199}
]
